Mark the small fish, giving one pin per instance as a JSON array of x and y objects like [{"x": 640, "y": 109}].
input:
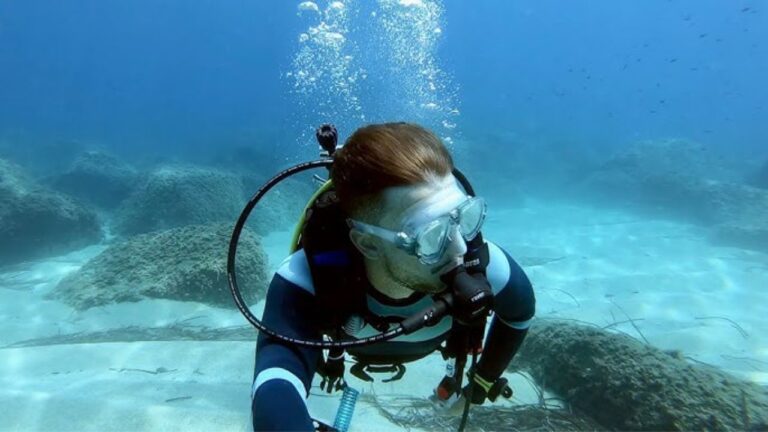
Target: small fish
[
  {"x": 672, "y": 60},
  {"x": 703, "y": 35},
  {"x": 746, "y": 9},
  {"x": 178, "y": 398}
]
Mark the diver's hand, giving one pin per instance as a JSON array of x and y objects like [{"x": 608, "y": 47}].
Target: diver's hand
[{"x": 482, "y": 389}]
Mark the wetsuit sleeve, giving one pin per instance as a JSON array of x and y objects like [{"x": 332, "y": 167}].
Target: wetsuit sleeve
[
  {"x": 514, "y": 308},
  {"x": 283, "y": 372}
]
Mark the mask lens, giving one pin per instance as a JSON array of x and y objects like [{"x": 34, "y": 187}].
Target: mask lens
[
  {"x": 471, "y": 218},
  {"x": 431, "y": 240}
]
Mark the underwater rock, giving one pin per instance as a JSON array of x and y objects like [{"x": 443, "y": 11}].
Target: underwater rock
[
  {"x": 176, "y": 195},
  {"x": 626, "y": 385},
  {"x": 36, "y": 222},
  {"x": 185, "y": 264},
  {"x": 98, "y": 178}
]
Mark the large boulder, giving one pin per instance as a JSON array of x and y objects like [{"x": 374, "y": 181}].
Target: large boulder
[
  {"x": 176, "y": 195},
  {"x": 98, "y": 178},
  {"x": 36, "y": 222},
  {"x": 186, "y": 264},
  {"x": 626, "y": 385}
]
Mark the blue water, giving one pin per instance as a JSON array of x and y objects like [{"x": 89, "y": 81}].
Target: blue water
[
  {"x": 188, "y": 76},
  {"x": 535, "y": 98}
]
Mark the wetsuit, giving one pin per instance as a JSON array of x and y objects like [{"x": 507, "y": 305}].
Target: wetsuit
[{"x": 283, "y": 372}]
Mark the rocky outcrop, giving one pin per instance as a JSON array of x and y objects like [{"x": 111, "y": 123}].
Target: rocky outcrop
[
  {"x": 36, "y": 222},
  {"x": 626, "y": 385},
  {"x": 174, "y": 196},
  {"x": 97, "y": 178},
  {"x": 186, "y": 264}
]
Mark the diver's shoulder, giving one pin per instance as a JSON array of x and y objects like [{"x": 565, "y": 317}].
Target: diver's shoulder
[
  {"x": 498, "y": 270},
  {"x": 502, "y": 269},
  {"x": 295, "y": 269}
]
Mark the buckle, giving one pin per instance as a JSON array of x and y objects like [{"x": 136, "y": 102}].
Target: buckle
[{"x": 361, "y": 370}]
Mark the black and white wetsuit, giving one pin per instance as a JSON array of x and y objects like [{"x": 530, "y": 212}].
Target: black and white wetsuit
[{"x": 283, "y": 372}]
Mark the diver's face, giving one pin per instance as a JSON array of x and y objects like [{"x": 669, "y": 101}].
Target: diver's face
[{"x": 419, "y": 204}]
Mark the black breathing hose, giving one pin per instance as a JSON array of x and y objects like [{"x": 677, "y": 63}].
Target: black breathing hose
[{"x": 429, "y": 315}]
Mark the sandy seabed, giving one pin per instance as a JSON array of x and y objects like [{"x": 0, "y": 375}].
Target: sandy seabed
[{"x": 655, "y": 280}]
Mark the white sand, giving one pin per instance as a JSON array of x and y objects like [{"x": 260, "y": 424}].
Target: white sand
[{"x": 601, "y": 267}]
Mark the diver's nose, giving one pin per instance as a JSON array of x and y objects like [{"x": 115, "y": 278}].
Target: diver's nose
[{"x": 456, "y": 245}]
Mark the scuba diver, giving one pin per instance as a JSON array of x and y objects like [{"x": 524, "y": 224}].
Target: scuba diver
[{"x": 390, "y": 253}]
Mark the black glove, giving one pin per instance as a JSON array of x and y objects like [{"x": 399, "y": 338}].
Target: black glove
[
  {"x": 483, "y": 389},
  {"x": 332, "y": 371}
]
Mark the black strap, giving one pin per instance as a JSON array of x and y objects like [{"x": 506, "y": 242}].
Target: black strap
[
  {"x": 477, "y": 257},
  {"x": 333, "y": 263}
]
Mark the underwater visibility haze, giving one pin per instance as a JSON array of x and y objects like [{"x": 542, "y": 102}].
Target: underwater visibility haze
[{"x": 621, "y": 147}]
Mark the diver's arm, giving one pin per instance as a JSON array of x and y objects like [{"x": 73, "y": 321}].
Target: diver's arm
[
  {"x": 283, "y": 373},
  {"x": 514, "y": 306}
]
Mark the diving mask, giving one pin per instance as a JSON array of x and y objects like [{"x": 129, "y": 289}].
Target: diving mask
[{"x": 429, "y": 239}]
